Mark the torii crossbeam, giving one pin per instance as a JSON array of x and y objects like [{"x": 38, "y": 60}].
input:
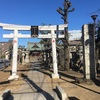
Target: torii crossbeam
[{"x": 16, "y": 35}]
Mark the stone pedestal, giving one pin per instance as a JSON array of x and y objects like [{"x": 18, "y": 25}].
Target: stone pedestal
[
  {"x": 27, "y": 57},
  {"x": 89, "y": 51},
  {"x": 7, "y": 56},
  {"x": 14, "y": 76},
  {"x": 54, "y": 76}
]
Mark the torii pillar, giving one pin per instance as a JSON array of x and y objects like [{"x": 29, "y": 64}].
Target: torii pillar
[
  {"x": 14, "y": 60},
  {"x": 15, "y": 37},
  {"x": 54, "y": 54}
]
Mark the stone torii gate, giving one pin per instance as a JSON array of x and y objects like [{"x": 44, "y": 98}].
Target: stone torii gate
[{"x": 16, "y": 35}]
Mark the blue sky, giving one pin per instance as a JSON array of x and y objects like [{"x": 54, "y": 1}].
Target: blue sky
[{"x": 36, "y": 12}]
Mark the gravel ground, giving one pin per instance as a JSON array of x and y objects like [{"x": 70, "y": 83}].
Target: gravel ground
[{"x": 13, "y": 85}]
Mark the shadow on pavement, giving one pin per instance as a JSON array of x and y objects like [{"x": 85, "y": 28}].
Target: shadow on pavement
[
  {"x": 73, "y": 98},
  {"x": 4, "y": 82},
  {"x": 10, "y": 98},
  {"x": 73, "y": 82},
  {"x": 39, "y": 90},
  {"x": 7, "y": 96},
  {"x": 68, "y": 76},
  {"x": 82, "y": 80},
  {"x": 97, "y": 82},
  {"x": 44, "y": 72}
]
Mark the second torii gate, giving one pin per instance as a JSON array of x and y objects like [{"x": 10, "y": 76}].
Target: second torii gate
[{"x": 16, "y": 35}]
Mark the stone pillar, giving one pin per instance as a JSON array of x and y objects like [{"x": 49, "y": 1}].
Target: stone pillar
[
  {"x": 80, "y": 50},
  {"x": 19, "y": 57},
  {"x": 89, "y": 51},
  {"x": 7, "y": 55},
  {"x": 44, "y": 56},
  {"x": 23, "y": 59},
  {"x": 27, "y": 57}
]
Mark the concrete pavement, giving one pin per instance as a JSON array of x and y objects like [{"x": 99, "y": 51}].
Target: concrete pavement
[{"x": 36, "y": 87}]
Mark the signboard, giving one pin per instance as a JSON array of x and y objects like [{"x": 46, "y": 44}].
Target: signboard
[{"x": 34, "y": 31}]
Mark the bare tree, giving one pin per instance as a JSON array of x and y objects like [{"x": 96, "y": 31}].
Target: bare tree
[{"x": 64, "y": 12}]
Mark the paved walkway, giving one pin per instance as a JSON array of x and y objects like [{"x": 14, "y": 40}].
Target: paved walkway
[{"x": 36, "y": 87}]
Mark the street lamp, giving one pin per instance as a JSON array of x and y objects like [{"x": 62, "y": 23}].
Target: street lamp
[{"x": 94, "y": 17}]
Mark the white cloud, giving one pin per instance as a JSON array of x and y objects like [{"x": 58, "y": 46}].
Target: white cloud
[{"x": 74, "y": 34}]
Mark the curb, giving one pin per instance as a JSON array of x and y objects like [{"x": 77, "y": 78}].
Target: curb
[
  {"x": 61, "y": 93},
  {"x": 5, "y": 95}
]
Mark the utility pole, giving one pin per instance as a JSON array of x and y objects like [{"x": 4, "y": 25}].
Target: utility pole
[
  {"x": 64, "y": 12},
  {"x": 94, "y": 17}
]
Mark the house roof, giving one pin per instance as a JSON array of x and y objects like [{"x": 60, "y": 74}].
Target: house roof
[
  {"x": 75, "y": 42},
  {"x": 31, "y": 46}
]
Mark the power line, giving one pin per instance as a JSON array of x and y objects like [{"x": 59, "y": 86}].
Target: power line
[{"x": 97, "y": 11}]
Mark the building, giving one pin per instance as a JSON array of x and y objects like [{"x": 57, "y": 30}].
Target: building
[
  {"x": 6, "y": 49},
  {"x": 76, "y": 53},
  {"x": 35, "y": 50}
]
